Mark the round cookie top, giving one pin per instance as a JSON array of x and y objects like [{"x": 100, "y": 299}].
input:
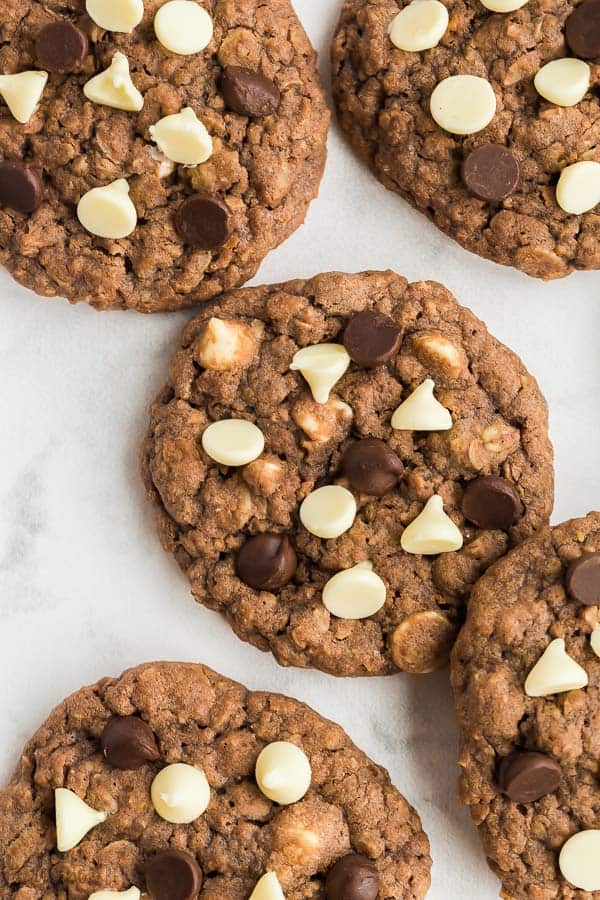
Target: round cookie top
[
  {"x": 334, "y": 463},
  {"x": 152, "y": 153},
  {"x": 482, "y": 114},
  {"x": 178, "y": 782},
  {"x": 525, "y": 672}
]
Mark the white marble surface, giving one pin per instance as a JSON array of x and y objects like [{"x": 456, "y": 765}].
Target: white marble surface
[{"x": 85, "y": 590}]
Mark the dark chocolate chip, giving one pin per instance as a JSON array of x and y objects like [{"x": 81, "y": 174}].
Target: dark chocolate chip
[
  {"x": 353, "y": 877},
  {"x": 492, "y": 502},
  {"x": 371, "y": 467},
  {"x": 127, "y": 742},
  {"x": 583, "y": 579},
  {"x": 266, "y": 562},
  {"x": 203, "y": 221},
  {"x": 525, "y": 777},
  {"x": 61, "y": 47},
  {"x": 173, "y": 875},
  {"x": 249, "y": 93},
  {"x": 371, "y": 339},
  {"x": 20, "y": 187},
  {"x": 491, "y": 172},
  {"x": 582, "y": 30}
]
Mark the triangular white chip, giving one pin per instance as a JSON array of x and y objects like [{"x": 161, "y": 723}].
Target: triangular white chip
[
  {"x": 432, "y": 531},
  {"x": 322, "y": 366},
  {"x": 22, "y": 93},
  {"x": 421, "y": 411},
  {"x": 268, "y": 888},
  {"x": 114, "y": 87},
  {"x": 555, "y": 672},
  {"x": 74, "y": 818},
  {"x": 595, "y": 640}
]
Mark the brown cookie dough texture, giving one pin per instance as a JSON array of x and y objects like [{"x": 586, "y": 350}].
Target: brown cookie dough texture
[
  {"x": 265, "y": 169},
  {"x": 382, "y": 95},
  {"x": 234, "y": 362},
  {"x": 516, "y": 610},
  {"x": 206, "y": 721}
]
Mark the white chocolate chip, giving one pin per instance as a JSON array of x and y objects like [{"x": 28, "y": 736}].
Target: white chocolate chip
[
  {"x": 183, "y": 138},
  {"x": 563, "y": 81},
  {"x": 503, "y": 6},
  {"x": 579, "y": 860},
  {"x": 432, "y": 531},
  {"x": 463, "y": 104},
  {"x": 22, "y": 93},
  {"x": 283, "y": 772},
  {"x": 225, "y": 344},
  {"x": 183, "y": 27},
  {"x": 74, "y": 818},
  {"x": 419, "y": 26},
  {"x": 180, "y": 793},
  {"x": 166, "y": 166},
  {"x": 322, "y": 365},
  {"x": 421, "y": 411},
  {"x": 114, "y": 87},
  {"x": 578, "y": 188},
  {"x": 329, "y": 511},
  {"x": 116, "y": 15},
  {"x": 268, "y": 888},
  {"x": 355, "y": 593},
  {"x": 555, "y": 672},
  {"x": 132, "y": 894},
  {"x": 595, "y": 640},
  {"x": 233, "y": 442},
  {"x": 108, "y": 212}
]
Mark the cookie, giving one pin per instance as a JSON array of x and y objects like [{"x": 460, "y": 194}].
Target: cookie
[
  {"x": 525, "y": 672},
  {"x": 483, "y": 115},
  {"x": 334, "y": 462},
  {"x": 151, "y": 154},
  {"x": 177, "y": 782}
]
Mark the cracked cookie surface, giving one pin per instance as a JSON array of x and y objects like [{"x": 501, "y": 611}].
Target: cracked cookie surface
[
  {"x": 234, "y": 362},
  {"x": 383, "y": 93},
  {"x": 207, "y": 721},
  {"x": 266, "y": 169},
  {"x": 520, "y": 606}
]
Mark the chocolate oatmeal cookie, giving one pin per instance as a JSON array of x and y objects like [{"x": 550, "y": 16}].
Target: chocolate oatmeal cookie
[
  {"x": 178, "y": 782},
  {"x": 526, "y": 677},
  {"x": 484, "y": 115},
  {"x": 335, "y": 462},
  {"x": 151, "y": 154}
]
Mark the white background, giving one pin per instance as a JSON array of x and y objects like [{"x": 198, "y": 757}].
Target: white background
[{"x": 85, "y": 590}]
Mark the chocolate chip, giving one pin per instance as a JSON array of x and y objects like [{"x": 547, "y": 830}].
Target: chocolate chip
[
  {"x": 266, "y": 562},
  {"x": 371, "y": 467},
  {"x": 204, "y": 221},
  {"x": 492, "y": 502},
  {"x": 173, "y": 875},
  {"x": 249, "y": 93},
  {"x": 491, "y": 172},
  {"x": 61, "y": 47},
  {"x": 582, "y": 30},
  {"x": 127, "y": 742},
  {"x": 583, "y": 579},
  {"x": 525, "y": 777},
  {"x": 371, "y": 339},
  {"x": 353, "y": 877},
  {"x": 20, "y": 187}
]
